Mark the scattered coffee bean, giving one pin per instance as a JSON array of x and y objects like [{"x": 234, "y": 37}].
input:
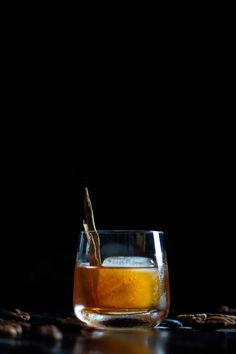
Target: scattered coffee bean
[
  {"x": 227, "y": 310},
  {"x": 69, "y": 324},
  {"x": 48, "y": 332},
  {"x": 7, "y": 330},
  {"x": 208, "y": 320},
  {"x": 15, "y": 314}
]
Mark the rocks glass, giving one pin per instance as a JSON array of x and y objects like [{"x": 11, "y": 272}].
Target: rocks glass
[{"x": 130, "y": 288}]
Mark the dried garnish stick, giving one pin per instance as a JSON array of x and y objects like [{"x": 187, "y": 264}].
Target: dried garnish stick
[{"x": 91, "y": 232}]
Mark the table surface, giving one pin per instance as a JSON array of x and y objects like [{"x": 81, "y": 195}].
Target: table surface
[{"x": 148, "y": 341}]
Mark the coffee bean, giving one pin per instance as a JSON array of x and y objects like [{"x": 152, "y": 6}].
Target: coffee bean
[
  {"x": 48, "y": 332},
  {"x": 208, "y": 320},
  {"x": 15, "y": 314},
  {"x": 7, "y": 330}
]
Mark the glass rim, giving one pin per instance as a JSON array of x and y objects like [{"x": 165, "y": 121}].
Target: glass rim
[{"x": 124, "y": 231}]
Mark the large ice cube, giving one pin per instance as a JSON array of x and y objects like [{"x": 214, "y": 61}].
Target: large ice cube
[{"x": 128, "y": 262}]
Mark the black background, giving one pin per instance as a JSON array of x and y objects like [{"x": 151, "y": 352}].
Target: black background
[{"x": 152, "y": 138}]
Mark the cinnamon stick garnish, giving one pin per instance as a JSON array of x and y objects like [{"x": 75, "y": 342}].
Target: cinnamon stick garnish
[{"x": 94, "y": 255}]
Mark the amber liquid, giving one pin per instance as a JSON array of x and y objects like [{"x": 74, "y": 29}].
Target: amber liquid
[{"x": 113, "y": 290}]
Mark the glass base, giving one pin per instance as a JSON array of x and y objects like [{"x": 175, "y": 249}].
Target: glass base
[{"x": 106, "y": 320}]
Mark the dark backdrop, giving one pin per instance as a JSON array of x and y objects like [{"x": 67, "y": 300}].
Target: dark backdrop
[{"x": 152, "y": 140}]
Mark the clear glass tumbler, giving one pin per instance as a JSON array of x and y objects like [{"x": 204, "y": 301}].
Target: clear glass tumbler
[{"x": 131, "y": 286}]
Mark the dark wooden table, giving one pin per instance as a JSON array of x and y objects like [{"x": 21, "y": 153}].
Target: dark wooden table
[{"x": 151, "y": 341}]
